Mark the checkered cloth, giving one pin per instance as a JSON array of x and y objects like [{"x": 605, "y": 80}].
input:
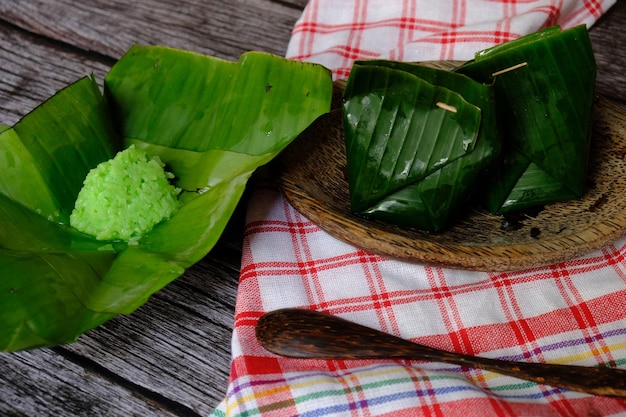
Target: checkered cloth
[{"x": 569, "y": 313}]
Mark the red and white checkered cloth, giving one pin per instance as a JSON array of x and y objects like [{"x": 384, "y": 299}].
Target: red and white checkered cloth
[{"x": 570, "y": 313}]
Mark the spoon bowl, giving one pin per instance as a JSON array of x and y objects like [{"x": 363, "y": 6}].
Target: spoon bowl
[{"x": 307, "y": 334}]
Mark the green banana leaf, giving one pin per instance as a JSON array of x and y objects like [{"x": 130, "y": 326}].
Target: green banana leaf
[
  {"x": 410, "y": 161},
  {"x": 213, "y": 122},
  {"x": 544, "y": 86}
]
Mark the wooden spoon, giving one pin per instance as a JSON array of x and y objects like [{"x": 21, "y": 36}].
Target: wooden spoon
[{"x": 299, "y": 333}]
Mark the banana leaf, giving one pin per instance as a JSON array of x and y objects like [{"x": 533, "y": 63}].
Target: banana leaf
[
  {"x": 544, "y": 86},
  {"x": 213, "y": 122},
  {"x": 417, "y": 141}
]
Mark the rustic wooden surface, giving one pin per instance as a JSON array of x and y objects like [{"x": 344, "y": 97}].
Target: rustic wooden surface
[{"x": 172, "y": 356}]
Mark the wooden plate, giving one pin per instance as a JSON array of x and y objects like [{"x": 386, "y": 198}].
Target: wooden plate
[{"x": 312, "y": 178}]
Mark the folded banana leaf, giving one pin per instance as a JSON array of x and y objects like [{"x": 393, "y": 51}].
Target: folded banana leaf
[
  {"x": 213, "y": 122},
  {"x": 544, "y": 86},
  {"x": 417, "y": 141}
]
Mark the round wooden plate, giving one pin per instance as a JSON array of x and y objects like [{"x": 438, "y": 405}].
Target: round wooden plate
[{"x": 312, "y": 178}]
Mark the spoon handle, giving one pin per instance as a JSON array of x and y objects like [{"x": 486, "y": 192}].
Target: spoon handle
[{"x": 299, "y": 333}]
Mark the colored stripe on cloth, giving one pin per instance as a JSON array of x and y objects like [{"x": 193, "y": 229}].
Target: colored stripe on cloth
[
  {"x": 546, "y": 314},
  {"x": 335, "y": 33},
  {"x": 569, "y": 313}
]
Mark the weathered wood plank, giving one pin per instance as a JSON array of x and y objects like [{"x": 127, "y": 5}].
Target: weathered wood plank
[
  {"x": 177, "y": 344},
  {"x": 608, "y": 37},
  {"x": 32, "y": 69},
  {"x": 44, "y": 383},
  {"x": 223, "y": 29}
]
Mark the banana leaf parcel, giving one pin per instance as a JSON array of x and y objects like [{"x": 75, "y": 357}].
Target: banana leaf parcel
[
  {"x": 213, "y": 122},
  {"x": 417, "y": 141},
  {"x": 544, "y": 86}
]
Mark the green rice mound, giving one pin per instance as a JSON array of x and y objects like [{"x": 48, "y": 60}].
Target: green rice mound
[{"x": 125, "y": 197}]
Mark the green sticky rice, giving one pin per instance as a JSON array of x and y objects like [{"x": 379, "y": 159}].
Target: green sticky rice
[{"x": 125, "y": 197}]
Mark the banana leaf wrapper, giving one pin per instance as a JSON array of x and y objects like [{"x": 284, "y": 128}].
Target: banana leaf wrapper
[
  {"x": 213, "y": 122},
  {"x": 417, "y": 141},
  {"x": 544, "y": 86}
]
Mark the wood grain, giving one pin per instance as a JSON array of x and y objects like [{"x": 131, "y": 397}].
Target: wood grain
[
  {"x": 223, "y": 29},
  {"x": 72, "y": 388},
  {"x": 607, "y": 38}
]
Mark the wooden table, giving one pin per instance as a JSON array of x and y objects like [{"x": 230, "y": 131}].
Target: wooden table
[{"x": 172, "y": 356}]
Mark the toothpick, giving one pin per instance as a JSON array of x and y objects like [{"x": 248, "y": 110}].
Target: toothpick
[
  {"x": 514, "y": 67},
  {"x": 446, "y": 107}
]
